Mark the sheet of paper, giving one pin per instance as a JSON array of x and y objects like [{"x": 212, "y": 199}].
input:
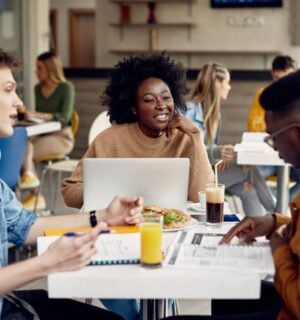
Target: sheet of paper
[{"x": 196, "y": 249}]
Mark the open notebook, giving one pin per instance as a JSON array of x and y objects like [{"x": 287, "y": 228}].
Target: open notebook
[{"x": 112, "y": 248}]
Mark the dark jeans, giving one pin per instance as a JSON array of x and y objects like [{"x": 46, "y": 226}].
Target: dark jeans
[
  {"x": 54, "y": 309},
  {"x": 266, "y": 308}
]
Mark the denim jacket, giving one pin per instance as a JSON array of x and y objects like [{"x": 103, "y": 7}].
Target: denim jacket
[
  {"x": 195, "y": 114},
  {"x": 15, "y": 223}
]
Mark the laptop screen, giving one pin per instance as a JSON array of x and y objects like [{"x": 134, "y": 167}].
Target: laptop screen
[{"x": 160, "y": 181}]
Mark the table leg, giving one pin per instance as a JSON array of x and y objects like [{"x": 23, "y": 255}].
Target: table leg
[
  {"x": 283, "y": 175},
  {"x": 153, "y": 309}
]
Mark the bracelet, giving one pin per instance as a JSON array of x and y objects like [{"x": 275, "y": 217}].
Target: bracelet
[{"x": 93, "y": 218}]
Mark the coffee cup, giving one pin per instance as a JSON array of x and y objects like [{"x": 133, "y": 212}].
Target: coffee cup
[
  {"x": 202, "y": 201},
  {"x": 214, "y": 203}
]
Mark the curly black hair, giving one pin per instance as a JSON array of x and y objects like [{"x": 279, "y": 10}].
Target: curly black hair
[{"x": 120, "y": 93}]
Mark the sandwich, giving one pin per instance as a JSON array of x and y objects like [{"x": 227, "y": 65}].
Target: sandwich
[{"x": 172, "y": 218}]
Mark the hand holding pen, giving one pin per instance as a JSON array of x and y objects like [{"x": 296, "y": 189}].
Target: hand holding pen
[{"x": 71, "y": 252}]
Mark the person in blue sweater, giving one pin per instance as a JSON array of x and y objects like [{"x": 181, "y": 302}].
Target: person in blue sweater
[
  {"x": 204, "y": 109},
  {"x": 20, "y": 226}
]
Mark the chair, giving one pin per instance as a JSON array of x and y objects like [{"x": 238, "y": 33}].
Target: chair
[
  {"x": 100, "y": 123},
  {"x": 58, "y": 163},
  {"x": 13, "y": 150},
  {"x": 56, "y": 157}
]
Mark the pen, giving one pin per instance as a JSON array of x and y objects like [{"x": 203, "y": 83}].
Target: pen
[{"x": 75, "y": 234}]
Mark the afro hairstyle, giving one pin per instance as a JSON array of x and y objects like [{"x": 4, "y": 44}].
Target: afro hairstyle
[{"x": 129, "y": 73}]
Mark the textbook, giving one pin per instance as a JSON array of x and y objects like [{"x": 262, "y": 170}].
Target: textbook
[
  {"x": 113, "y": 248},
  {"x": 196, "y": 249}
]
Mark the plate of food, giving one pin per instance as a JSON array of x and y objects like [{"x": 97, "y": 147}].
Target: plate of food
[{"x": 173, "y": 219}]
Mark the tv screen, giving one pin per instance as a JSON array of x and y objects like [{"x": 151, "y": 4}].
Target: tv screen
[{"x": 245, "y": 3}]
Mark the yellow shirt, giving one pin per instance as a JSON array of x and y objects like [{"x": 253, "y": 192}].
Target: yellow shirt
[{"x": 256, "y": 117}]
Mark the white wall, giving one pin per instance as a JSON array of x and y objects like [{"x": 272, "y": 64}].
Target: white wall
[
  {"x": 225, "y": 33},
  {"x": 239, "y": 38},
  {"x": 35, "y": 38},
  {"x": 63, "y": 23}
]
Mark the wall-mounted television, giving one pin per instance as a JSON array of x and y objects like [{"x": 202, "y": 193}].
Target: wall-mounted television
[{"x": 245, "y": 3}]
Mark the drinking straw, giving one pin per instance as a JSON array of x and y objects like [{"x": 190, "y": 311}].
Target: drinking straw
[{"x": 216, "y": 171}]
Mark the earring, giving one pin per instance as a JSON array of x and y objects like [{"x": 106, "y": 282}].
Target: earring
[{"x": 133, "y": 111}]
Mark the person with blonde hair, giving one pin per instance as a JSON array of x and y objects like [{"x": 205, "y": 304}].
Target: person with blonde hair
[
  {"x": 54, "y": 100},
  {"x": 212, "y": 86}
]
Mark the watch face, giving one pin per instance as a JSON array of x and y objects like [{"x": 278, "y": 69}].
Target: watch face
[{"x": 93, "y": 218}]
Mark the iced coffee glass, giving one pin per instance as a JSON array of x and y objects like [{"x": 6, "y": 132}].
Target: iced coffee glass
[{"x": 214, "y": 204}]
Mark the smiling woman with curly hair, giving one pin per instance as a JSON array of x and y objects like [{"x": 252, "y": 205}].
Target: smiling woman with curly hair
[
  {"x": 144, "y": 97},
  {"x": 120, "y": 94}
]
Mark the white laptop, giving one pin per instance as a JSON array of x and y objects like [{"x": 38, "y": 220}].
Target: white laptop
[{"x": 160, "y": 181}]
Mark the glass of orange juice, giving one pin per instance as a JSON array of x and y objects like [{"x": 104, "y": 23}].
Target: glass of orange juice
[{"x": 151, "y": 240}]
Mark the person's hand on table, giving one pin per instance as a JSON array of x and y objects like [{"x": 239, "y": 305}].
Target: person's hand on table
[
  {"x": 183, "y": 124},
  {"x": 71, "y": 253},
  {"x": 280, "y": 236},
  {"x": 250, "y": 228},
  {"x": 39, "y": 115},
  {"x": 124, "y": 210}
]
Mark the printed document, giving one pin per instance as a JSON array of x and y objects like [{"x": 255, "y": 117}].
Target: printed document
[{"x": 193, "y": 248}]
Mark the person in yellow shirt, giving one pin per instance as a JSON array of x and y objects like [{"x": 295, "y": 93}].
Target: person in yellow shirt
[{"x": 282, "y": 65}]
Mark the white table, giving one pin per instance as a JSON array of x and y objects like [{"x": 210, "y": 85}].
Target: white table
[
  {"x": 254, "y": 151},
  {"x": 42, "y": 128},
  {"x": 136, "y": 282}
]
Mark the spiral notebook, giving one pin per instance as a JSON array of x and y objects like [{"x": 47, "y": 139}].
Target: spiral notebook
[{"x": 112, "y": 248}]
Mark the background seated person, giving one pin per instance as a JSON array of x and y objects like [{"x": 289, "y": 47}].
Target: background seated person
[
  {"x": 54, "y": 100},
  {"x": 281, "y": 66},
  {"x": 19, "y": 226},
  {"x": 204, "y": 109}
]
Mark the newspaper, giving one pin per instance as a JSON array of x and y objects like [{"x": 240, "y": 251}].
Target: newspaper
[{"x": 197, "y": 249}]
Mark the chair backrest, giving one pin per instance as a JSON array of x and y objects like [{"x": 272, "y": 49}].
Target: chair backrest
[
  {"x": 74, "y": 122},
  {"x": 100, "y": 123},
  {"x": 12, "y": 154}
]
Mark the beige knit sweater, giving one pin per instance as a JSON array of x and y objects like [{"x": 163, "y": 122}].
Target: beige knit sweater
[{"x": 128, "y": 141}]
